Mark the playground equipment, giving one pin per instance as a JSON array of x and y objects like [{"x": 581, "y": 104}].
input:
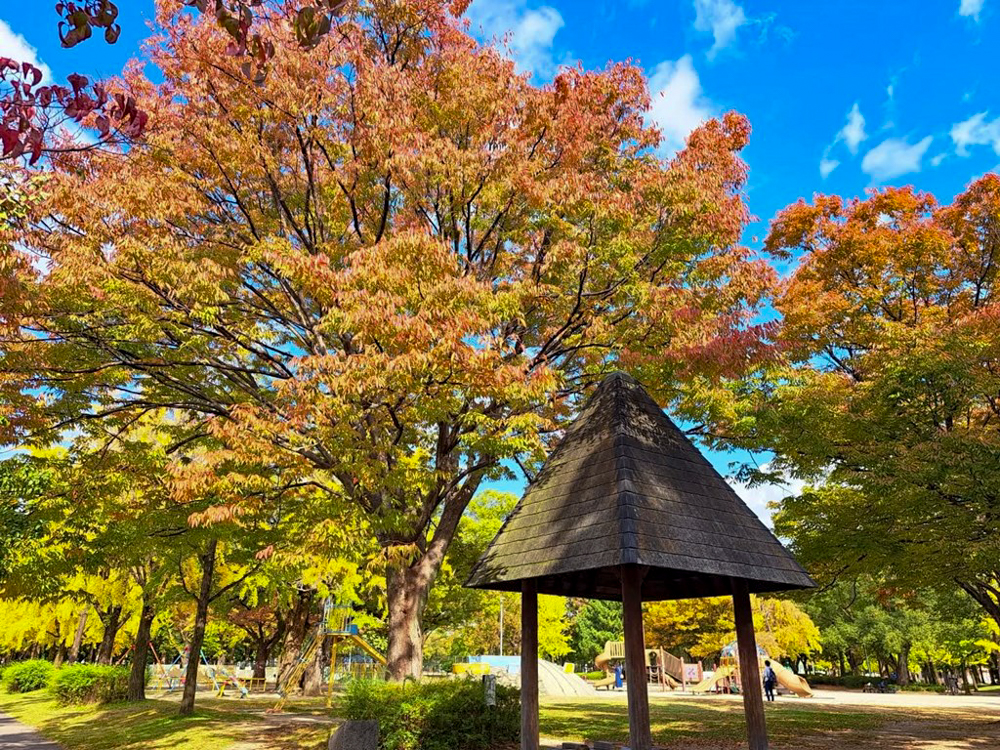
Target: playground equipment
[
  {"x": 727, "y": 677},
  {"x": 338, "y": 625},
  {"x": 662, "y": 667},
  {"x": 228, "y": 678}
]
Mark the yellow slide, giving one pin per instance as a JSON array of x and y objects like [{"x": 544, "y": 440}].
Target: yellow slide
[
  {"x": 710, "y": 682},
  {"x": 790, "y": 681},
  {"x": 601, "y": 662}
]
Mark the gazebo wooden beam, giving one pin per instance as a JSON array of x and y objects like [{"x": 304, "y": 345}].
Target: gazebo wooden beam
[
  {"x": 640, "y": 737},
  {"x": 529, "y": 665},
  {"x": 750, "y": 682}
]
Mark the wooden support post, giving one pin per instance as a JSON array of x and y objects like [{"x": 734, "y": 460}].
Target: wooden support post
[
  {"x": 753, "y": 698},
  {"x": 529, "y": 665},
  {"x": 333, "y": 670},
  {"x": 640, "y": 737}
]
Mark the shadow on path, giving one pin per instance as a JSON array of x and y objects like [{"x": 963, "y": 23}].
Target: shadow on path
[{"x": 16, "y": 736}]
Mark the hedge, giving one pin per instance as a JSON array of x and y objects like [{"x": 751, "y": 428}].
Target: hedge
[
  {"x": 90, "y": 683},
  {"x": 440, "y": 715},
  {"x": 27, "y": 676}
]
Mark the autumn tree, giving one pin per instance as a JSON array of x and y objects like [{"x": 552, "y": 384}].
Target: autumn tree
[
  {"x": 394, "y": 262},
  {"x": 885, "y": 395},
  {"x": 700, "y": 628}
]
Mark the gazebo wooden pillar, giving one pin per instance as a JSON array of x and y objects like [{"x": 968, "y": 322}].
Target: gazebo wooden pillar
[
  {"x": 529, "y": 666},
  {"x": 639, "y": 735},
  {"x": 627, "y": 508}
]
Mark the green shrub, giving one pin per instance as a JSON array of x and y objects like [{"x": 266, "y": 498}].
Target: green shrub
[
  {"x": 440, "y": 715},
  {"x": 90, "y": 683},
  {"x": 595, "y": 675},
  {"x": 26, "y": 676}
]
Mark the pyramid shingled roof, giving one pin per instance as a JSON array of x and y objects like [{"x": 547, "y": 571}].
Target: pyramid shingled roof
[{"x": 626, "y": 486}]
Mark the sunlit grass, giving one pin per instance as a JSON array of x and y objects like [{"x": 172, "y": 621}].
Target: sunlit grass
[
  {"x": 155, "y": 724},
  {"x": 578, "y": 720}
]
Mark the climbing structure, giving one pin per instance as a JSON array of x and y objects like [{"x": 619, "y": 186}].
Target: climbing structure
[
  {"x": 337, "y": 625},
  {"x": 726, "y": 677},
  {"x": 662, "y": 667}
]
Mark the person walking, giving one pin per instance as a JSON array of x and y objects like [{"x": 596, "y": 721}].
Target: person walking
[{"x": 770, "y": 678}]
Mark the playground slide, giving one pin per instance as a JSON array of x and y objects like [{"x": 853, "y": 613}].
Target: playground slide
[
  {"x": 710, "y": 682},
  {"x": 606, "y": 682},
  {"x": 361, "y": 643},
  {"x": 791, "y": 681}
]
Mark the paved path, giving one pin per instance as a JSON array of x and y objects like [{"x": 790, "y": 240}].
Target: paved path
[{"x": 16, "y": 736}]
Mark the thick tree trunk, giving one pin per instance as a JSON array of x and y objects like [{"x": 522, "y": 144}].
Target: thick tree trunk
[
  {"x": 406, "y": 598},
  {"x": 112, "y": 620},
  {"x": 312, "y": 678},
  {"x": 902, "y": 666},
  {"x": 60, "y": 655},
  {"x": 299, "y": 624},
  {"x": 407, "y": 587},
  {"x": 140, "y": 654},
  {"x": 81, "y": 628},
  {"x": 200, "y": 622}
]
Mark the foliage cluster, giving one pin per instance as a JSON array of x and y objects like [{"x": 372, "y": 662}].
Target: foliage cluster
[
  {"x": 440, "y": 715},
  {"x": 89, "y": 683},
  {"x": 27, "y": 676}
]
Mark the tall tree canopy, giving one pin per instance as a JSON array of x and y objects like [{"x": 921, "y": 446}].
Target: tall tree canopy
[
  {"x": 389, "y": 268},
  {"x": 886, "y": 393}
]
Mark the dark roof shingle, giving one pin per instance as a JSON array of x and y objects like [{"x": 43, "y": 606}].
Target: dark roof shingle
[{"x": 626, "y": 486}]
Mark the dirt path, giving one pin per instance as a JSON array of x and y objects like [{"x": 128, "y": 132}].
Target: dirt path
[{"x": 17, "y": 736}]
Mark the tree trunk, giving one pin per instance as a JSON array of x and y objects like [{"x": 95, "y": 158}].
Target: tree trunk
[
  {"x": 200, "y": 622},
  {"x": 299, "y": 623},
  {"x": 902, "y": 666},
  {"x": 407, "y": 587},
  {"x": 261, "y": 655},
  {"x": 843, "y": 670},
  {"x": 60, "y": 655},
  {"x": 112, "y": 620},
  {"x": 406, "y": 598},
  {"x": 140, "y": 654},
  {"x": 81, "y": 627},
  {"x": 312, "y": 678}
]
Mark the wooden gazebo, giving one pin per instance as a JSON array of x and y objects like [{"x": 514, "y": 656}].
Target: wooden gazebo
[{"x": 627, "y": 507}]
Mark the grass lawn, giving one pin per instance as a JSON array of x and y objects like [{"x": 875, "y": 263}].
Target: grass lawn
[
  {"x": 226, "y": 724},
  {"x": 218, "y": 724},
  {"x": 719, "y": 720}
]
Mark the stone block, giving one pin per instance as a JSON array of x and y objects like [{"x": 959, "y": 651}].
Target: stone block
[{"x": 355, "y": 735}]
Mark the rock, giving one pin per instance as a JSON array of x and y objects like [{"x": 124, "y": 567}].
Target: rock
[
  {"x": 601, "y": 745},
  {"x": 355, "y": 735},
  {"x": 575, "y": 746}
]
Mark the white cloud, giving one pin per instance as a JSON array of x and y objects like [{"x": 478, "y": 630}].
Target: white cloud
[
  {"x": 529, "y": 32},
  {"x": 971, "y": 9},
  {"x": 936, "y": 161},
  {"x": 16, "y": 47},
  {"x": 722, "y": 18},
  {"x": 976, "y": 131},
  {"x": 894, "y": 157},
  {"x": 853, "y": 131},
  {"x": 760, "y": 497},
  {"x": 852, "y": 134},
  {"x": 678, "y": 104}
]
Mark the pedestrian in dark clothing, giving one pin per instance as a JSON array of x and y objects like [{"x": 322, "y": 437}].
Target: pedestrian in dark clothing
[{"x": 770, "y": 678}]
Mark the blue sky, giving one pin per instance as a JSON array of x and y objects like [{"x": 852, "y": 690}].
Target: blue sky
[{"x": 843, "y": 96}]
